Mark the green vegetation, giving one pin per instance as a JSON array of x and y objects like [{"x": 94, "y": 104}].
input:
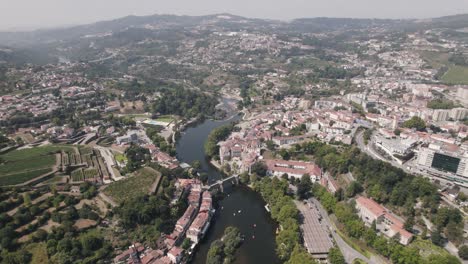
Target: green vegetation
[
  {"x": 38, "y": 253},
  {"x": 17, "y": 178},
  {"x": 184, "y": 102},
  {"x": 300, "y": 256},
  {"x": 218, "y": 134},
  {"x": 22, "y": 165},
  {"x": 136, "y": 156},
  {"x": 355, "y": 228},
  {"x": 416, "y": 123},
  {"x": 133, "y": 186},
  {"x": 120, "y": 158},
  {"x": 335, "y": 256},
  {"x": 441, "y": 104},
  {"x": 463, "y": 252},
  {"x": 222, "y": 251},
  {"x": 284, "y": 211},
  {"x": 456, "y": 75},
  {"x": 426, "y": 248},
  {"x": 165, "y": 118},
  {"x": 159, "y": 141}
]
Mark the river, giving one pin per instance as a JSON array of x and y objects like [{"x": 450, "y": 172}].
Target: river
[{"x": 242, "y": 207}]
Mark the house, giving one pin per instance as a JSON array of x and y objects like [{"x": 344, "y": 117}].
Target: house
[
  {"x": 175, "y": 254},
  {"x": 387, "y": 223},
  {"x": 131, "y": 137},
  {"x": 280, "y": 141},
  {"x": 296, "y": 169}
]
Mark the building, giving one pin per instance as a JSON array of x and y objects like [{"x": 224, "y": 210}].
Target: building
[
  {"x": 281, "y": 141},
  {"x": 446, "y": 161},
  {"x": 386, "y": 223},
  {"x": 441, "y": 115},
  {"x": 175, "y": 254},
  {"x": 131, "y": 137},
  {"x": 294, "y": 169},
  {"x": 458, "y": 113},
  {"x": 462, "y": 93}
]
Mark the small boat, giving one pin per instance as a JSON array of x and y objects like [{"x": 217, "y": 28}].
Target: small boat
[
  {"x": 234, "y": 214},
  {"x": 253, "y": 237},
  {"x": 254, "y": 225},
  {"x": 239, "y": 211}
]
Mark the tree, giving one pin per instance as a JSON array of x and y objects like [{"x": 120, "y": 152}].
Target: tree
[
  {"x": 304, "y": 186},
  {"x": 454, "y": 232},
  {"x": 300, "y": 256},
  {"x": 196, "y": 164},
  {"x": 353, "y": 189},
  {"x": 186, "y": 244},
  {"x": 437, "y": 238},
  {"x": 91, "y": 242},
  {"x": 463, "y": 252},
  {"x": 416, "y": 123},
  {"x": 215, "y": 254},
  {"x": 18, "y": 257},
  {"x": 335, "y": 256},
  {"x": 244, "y": 178},
  {"x": 409, "y": 223},
  {"x": 270, "y": 145},
  {"x": 259, "y": 168},
  {"x": 284, "y": 153}
]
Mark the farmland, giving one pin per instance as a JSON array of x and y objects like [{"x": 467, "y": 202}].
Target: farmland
[
  {"x": 456, "y": 75},
  {"x": 22, "y": 165},
  {"x": 133, "y": 186}
]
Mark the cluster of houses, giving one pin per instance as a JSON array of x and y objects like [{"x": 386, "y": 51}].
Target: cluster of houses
[
  {"x": 140, "y": 137},
  {"x": 192, "y": 225},
  {"x": 286, "y": 128},
  {"x": 386, "y": 223}
]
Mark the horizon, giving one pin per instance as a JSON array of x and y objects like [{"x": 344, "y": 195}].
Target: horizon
[
  {"x": 50, "y": 14},
  {"x": 64, "y": 26}
]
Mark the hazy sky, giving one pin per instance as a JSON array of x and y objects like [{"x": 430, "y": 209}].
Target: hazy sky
[{"x": 27, "y": 14}]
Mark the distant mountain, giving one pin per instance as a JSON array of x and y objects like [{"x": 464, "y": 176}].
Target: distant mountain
[
  {"x": 64, "y": 34},
  {"x": 31, "y": 46}
]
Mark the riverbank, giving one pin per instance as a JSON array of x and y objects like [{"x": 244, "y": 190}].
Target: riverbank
[{"x": 241, "y": 208}]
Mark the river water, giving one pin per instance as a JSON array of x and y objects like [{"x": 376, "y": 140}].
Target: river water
[{"x": 242, "y": 207}]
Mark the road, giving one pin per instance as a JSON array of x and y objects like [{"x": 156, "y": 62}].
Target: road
[
  {"x": 109, "y": 159},
  {"x": 406, "y": 168},
  {"x": 349, "y": 253}
]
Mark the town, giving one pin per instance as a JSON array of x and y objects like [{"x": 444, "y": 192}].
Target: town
[{"x": 130, "y": 143}]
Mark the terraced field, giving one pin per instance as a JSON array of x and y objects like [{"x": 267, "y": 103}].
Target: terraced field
[
  {"x": 23, "y": 165},
  {"x": 133, "y": 186}
]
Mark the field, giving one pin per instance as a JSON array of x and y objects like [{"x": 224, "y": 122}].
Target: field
[
  {"x": 81, "y": 175},
  {"x": 426, "y": 248},
  {"x": 133, "y": 186},
  {"x": 17, "y": 178},
  {"x": 456, "y": 75},
  {"x": 25, "y": 164},
  {"x": 436, "y": 59}
]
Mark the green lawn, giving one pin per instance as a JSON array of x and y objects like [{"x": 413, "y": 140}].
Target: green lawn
[
  {"x": 436, "y": 59},
  {"x": 22, "y": 165},
  {"x": 426, "y": 248},
  {"x": 456, "y": 75},
  {"x": 17, "y": 178},
  {"x": 120, "y": 158},
  {"x": 166, "y": 119},
  {"x": 133, "y": 186}
]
